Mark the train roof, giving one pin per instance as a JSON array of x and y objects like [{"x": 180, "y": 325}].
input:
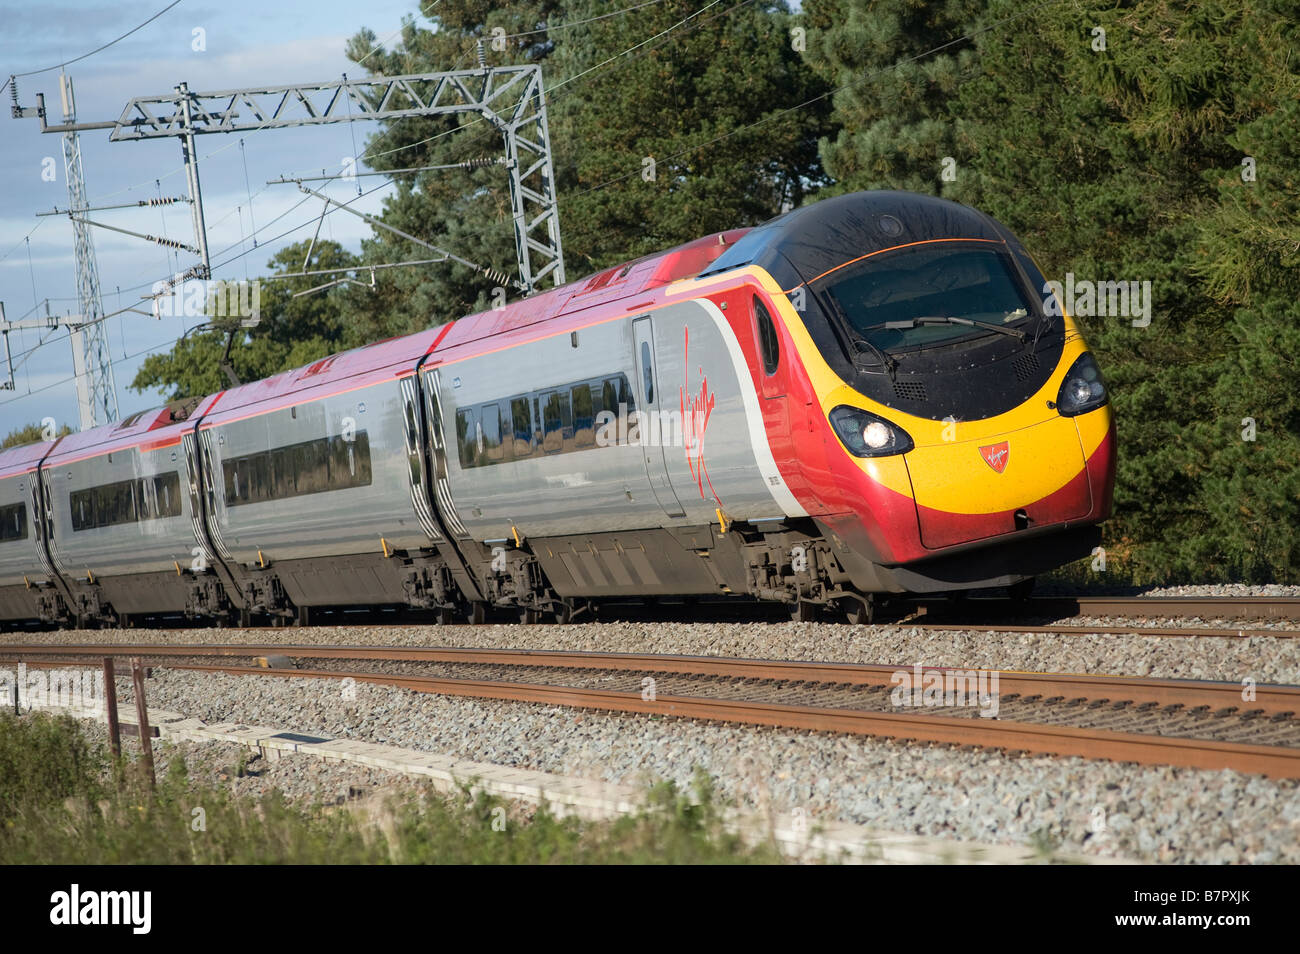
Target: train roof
[
  {"x": 146, "y": 430},
  {"x": 802, "y": 245},
  {"x": 357, "y": 368},
  {"x": 19, "y": 460}
]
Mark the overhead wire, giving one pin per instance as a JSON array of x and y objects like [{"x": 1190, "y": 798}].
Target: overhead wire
[{"x": 99, "y": 49}]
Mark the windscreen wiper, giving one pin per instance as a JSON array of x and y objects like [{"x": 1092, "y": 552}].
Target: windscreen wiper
[
  {"x": 857, "y": 341},
  {"x": 906, "y": 323}
]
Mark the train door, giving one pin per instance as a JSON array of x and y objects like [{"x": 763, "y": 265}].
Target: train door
[{"x": 653, "y": 427}]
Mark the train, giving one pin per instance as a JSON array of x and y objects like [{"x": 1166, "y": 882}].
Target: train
[{"x": 871, "y": 395}]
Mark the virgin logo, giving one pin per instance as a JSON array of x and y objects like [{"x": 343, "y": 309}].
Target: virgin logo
[
  {"x": 995, "y": 455},
  {"x": 696, "y": 409}
]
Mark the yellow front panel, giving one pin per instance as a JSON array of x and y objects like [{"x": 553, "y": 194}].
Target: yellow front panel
[{"x": 955, "y": 477}]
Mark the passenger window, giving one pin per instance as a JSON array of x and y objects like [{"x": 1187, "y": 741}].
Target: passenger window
[
  {"x": 647, "y": 370},
  {"x": 359, "y": 460},
  {"x": 283, "y": 480},
  {"x": 769, "y": 343},
  {"x": 523, "y": 428},
  {"x": 558, "y": 419},
  {"x": 584, "y": 433},
  {"x": 467, "y": 438},
  {"x": 490, "y": 428},
  {"x": 167, "y": 490}
]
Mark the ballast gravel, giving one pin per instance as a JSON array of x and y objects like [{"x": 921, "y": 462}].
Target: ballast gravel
[
  {"x": 1067, "y": 804},
  {"x": 1264, "y": 659}
]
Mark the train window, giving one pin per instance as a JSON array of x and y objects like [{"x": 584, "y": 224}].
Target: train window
[
  {"x": 892, "y": 299},
  {"x": 167, "y": 494},
  {"x": 769, "y": 344},
  {"x": 306, "y": 468},
  {"x": 467, "y": 437},
  {"x": 558, "y": 421},
  {"x": 109, "y": 505},
  {"x": 549, "y": 422},
  {"x": 647, "y": 371},
  {"x": 609, "y": 396},
  {"x": 584, "y": 430},
  {"x": 522, "y": 424},
  {"x": 257, "y": 478},
  {"x": 349, "y": 461},
  {"x": 309, "y": 467},
  {"x": 13, "y": 522},
  {"x": 284, "y": 469},
  {"x": 490, "y": 433}
]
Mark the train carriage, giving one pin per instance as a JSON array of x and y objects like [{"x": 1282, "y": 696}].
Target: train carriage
[
  {"x": 317, "y": 481},
  {"x": 121, "y": 530},
  {"x": 29, "y": 587}
]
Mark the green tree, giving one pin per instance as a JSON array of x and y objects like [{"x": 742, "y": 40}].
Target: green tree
[
  {"x": 292, "y": 331},
  {"x": 683, "y": 99},
  {"x": 30, "y": 434}
]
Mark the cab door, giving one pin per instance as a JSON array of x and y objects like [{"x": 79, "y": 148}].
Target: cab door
[{"x": 649, "y": 400}]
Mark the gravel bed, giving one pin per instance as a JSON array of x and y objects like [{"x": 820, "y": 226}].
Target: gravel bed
[
  {"x": 1193, "y": 590},
  {"x": 1151, "y": 814},
  {"x": 1264, "y": 659},
  {"x": 300, "y": 778}
]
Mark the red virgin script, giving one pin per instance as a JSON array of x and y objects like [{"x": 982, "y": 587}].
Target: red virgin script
[{"x": 696, "y": 409}]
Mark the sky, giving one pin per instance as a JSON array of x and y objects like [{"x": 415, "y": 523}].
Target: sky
[{"x": 245, "y": 44}]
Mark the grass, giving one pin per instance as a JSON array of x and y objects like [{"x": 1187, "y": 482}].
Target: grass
[{"x": 63, "y": 800}]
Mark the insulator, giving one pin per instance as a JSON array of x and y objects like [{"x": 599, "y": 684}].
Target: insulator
[
  {"x": 481, "y": 52},
  {"x": 501, "y": 278},
  {"x": 481, "y": 163},
  {"x": 169, "y": 243}
]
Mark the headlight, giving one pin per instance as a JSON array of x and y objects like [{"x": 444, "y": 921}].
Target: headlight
[
  {"x": 1083, "y": 389},
  {"x": 866, "y": 435}
]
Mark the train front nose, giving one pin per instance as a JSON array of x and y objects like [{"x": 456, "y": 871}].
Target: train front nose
[{"x": 995, "y": 483}]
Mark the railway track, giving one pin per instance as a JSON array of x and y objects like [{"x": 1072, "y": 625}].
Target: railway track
[
  {"x": 1160, "y": 607},
  {"x": 1206, "y": 725}
]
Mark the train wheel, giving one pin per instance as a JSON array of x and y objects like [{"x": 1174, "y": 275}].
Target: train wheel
[
  {"x": 859, "y": 613},
  {"x": 803, "y": 612},
  {"x": 564, "y": 612},
  {"x": 477, "y": 613},
  {"x": 444, "y": 617},
  {"x": 529, "y": 616}
]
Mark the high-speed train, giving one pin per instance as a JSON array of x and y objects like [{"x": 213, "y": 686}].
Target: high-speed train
[{"x": 865, "y": 396}]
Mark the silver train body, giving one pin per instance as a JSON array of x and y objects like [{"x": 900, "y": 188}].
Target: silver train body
[{"x": 534, "y": 476}]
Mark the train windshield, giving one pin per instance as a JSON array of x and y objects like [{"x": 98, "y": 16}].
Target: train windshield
[{"x": 929, "y": 294}]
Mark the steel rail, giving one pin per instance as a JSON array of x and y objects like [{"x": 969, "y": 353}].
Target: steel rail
[{"x": 1268, "y": 699}]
